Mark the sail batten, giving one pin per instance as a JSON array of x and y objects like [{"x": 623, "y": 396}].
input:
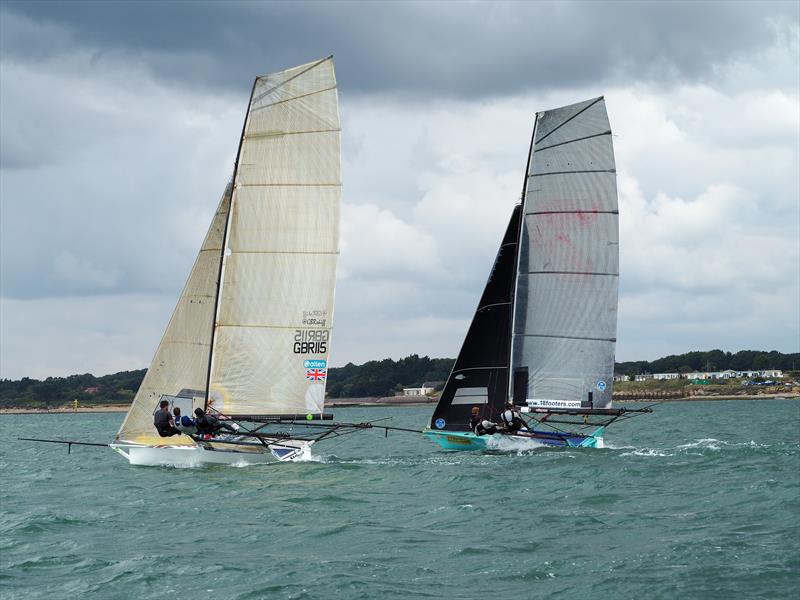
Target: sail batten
[
  {"x": 579, "y": 139},
  {"x": 285, "y": 77},
  {"x": 262, "y": 107},
  {"x": 561, "y": 117},
  {"x": 284, "y": 133},
  {"x": 572, "y": 212},
  {"x": 568, "y": 337},
  {"x": 284, "y": 184},
  {"x": 572, "y": 273},
  {"x": 572, "y": 172}
]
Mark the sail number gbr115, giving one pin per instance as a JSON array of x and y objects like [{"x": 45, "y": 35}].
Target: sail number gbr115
[{"x": 311, "y": 341}]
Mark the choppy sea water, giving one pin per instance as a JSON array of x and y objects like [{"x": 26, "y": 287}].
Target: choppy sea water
[{"x": 698, "y": 500}]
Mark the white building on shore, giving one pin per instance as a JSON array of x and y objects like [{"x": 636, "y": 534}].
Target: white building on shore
[
  {"x": 727, "y": 374},
  {"x": 420, "y": 391},
  {"x": 731, "y": 374},
  {"x": 665, "y": 376}
]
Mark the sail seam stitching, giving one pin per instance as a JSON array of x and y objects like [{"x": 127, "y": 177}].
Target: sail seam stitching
[
  {"x": 288, "y": 184},
  {"x": 580, "y": 139},
  {"x": 572, "y": 273},
  {"x": 577, "y": 114},
  {"x": 279, "y": 252},
  {"x": 272, "y": 326},
  {"x": 328, "y": 89},
  {"x": 573, "y": 212}
]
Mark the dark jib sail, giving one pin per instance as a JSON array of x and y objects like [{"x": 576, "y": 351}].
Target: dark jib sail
[{"x": 480, "y": 374}]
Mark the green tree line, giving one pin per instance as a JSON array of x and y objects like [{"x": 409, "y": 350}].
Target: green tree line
[
  {"x": 371, "y": 379},
  {"x": 384, "y": 377},
  {"x": 118, "y": 388}
]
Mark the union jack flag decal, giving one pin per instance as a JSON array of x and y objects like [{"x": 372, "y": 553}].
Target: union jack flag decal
[{"x": 316, "y": 374}]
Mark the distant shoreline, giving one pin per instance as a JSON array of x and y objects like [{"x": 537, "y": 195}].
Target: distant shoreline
[
  {"x": 376, "y": 403},
  {"x": 100, "y": 408}
]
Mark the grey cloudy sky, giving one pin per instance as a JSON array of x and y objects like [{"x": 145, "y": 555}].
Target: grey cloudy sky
[{"x": 119, "y": 125}]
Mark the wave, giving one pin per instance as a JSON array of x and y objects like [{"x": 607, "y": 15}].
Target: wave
[
  {"x": 517, "y": 445},
  {"x": 697, "y": 447}
]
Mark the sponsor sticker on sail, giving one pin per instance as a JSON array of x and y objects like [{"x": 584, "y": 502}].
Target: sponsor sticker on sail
[{"x": 543, "y": 403}]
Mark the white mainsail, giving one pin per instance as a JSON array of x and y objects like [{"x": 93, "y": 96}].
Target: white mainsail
[
  {"x": 273, "y": 323},
  {"x": 181, "y": 359},
  {"x": 565, "y": 315},
  {"x": 258, "y": 342}
]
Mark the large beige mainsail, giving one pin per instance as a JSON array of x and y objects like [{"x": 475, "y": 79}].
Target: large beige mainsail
[
  {"x": 273, "y": 323},
  {"x": 181, "y": 360}
]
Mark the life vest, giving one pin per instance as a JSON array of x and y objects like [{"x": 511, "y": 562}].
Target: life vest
[
  {"x": 486, "y": 428},
  {"x": 482, "y": 426},
  {"x": 185, "y": 425},
  {"x": 511, "y": 420}
]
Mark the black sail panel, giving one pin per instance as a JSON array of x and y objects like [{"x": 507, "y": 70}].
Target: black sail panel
[{"x": 480, "y": 374}]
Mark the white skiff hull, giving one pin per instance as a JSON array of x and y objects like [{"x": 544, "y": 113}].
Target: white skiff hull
[{"x": 195, "y": 456}]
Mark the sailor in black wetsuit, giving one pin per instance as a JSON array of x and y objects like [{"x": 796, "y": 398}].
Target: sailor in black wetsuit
[
  {"x": 163, "y": 422},
  {"x": 209, "y": 424},
  {"x": 480, "y": 426}
]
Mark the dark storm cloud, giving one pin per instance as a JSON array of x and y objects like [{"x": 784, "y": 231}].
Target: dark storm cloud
[{"x": 439, "y": 48}]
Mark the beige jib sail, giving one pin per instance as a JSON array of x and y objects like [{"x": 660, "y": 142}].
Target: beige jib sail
[
  {"x": 181, "y": 360},
  {"x": 279, "y": 227}
]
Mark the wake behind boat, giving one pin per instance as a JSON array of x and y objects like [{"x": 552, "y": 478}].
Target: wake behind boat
[
  {"x": 249, "y": 338},
  {"x": 537, "y": 363}
]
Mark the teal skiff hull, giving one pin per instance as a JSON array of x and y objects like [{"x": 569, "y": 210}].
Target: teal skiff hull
[{"x": 466, "y": 440}]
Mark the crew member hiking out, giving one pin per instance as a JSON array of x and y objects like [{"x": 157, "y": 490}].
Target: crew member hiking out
[
  {"x": 209, "y": 424},
  {"x": 481, "y": 426},
  {"x": 163, "y": 422},
  {"x": 512, "y": 421}
]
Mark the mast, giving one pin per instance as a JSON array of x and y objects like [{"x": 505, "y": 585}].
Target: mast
[
  {"x": 516, "y": 262},
  {"x": 224, "y": 246}
]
